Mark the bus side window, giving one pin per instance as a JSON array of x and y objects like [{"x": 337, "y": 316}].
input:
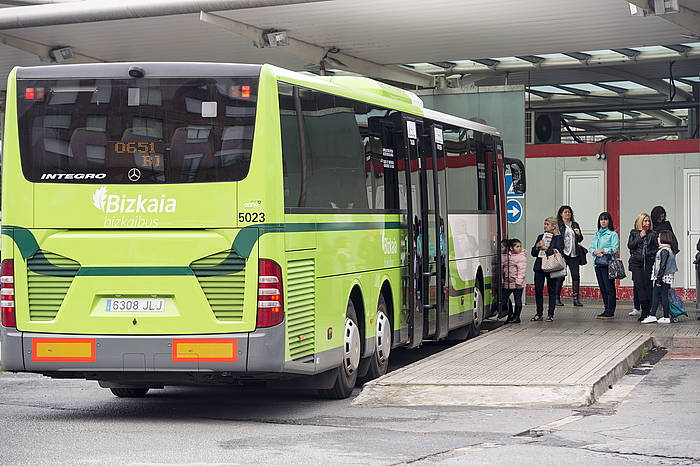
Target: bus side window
[{"x": 462, "y": 173}]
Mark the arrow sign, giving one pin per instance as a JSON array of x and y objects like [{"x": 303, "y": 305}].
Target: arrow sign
[{"x": 514, "y": 210}]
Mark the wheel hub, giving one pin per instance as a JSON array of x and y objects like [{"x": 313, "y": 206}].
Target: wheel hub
[
  {"x": 383, "y": 337},
  {"x": 478, "y": 307},
  {"x": 351, "y": 347}
]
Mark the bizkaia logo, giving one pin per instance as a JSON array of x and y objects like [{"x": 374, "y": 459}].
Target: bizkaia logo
[{"x": 124, "y": 204}]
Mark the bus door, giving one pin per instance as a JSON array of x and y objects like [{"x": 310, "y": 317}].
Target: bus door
[
  {"x": 436, "y": 197},
  {"x": 427, "y": 298}
]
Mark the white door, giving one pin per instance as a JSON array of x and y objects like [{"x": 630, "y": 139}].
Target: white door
[
  {"x": 691, "y": 193},
  {"x": 584, "y": 191}
]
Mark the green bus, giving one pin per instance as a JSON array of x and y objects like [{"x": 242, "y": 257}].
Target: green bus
[{"x": 194, "y": 223}]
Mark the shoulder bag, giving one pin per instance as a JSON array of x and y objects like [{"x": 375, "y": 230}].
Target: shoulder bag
[
  {"x": 602, "y": 261},
  {"x": 553, "y": 263},
  {"x": 616, "y": 269},
  {"x": 582, "y": 254}
]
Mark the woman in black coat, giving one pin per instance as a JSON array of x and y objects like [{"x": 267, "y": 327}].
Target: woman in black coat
[
  {"x": 540, "y": 249},
  {"x": 573, "y": 254},
  {"x": 643, "y": 244},
  {"x": 659, "y": 224}
]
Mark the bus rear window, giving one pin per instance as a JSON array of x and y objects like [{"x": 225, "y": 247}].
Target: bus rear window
[{"x": 187, "y": 130}]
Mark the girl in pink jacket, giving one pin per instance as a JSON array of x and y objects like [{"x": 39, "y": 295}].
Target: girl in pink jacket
[{"x": 513, "y": 264}]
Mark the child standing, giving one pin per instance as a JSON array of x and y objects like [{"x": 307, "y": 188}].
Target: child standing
[
  {"x": 514, "y": 263},
  {"x": 662, "y": 276}
]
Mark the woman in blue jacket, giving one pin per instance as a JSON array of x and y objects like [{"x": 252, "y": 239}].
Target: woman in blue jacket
[{"x": 605, "y": 245}]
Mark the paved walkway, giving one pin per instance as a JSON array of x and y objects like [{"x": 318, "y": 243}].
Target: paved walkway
[{"x": 565, "y": 363}]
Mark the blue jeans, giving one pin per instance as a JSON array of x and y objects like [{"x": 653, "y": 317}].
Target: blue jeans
[
  {"x": 607, "y": 290},
  {"x": 660, "y": 297}
]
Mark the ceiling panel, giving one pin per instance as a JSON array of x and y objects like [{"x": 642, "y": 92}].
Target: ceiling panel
[{"x": 384, "y": 31}]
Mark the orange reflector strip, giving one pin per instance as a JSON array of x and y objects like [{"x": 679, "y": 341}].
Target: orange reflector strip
[
  {"x": 205, "y": 350},
  {"x": 63, "y": 349}
]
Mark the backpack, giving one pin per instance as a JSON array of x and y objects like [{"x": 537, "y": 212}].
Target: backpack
[{"x": 675, "y": 304}]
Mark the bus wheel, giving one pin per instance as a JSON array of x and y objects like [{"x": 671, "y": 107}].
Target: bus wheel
[
  {"x": 379, "y": 361},
  {"x": 347, "y": 372},
  {"x": 475, "y": 326},
  {"x": 129, "y": 392}
]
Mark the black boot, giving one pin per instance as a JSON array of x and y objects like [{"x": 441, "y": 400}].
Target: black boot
[{"x": 575, "y": 288}]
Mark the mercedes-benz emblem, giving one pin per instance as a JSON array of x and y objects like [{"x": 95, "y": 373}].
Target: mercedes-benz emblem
[{"x": 134, "y": 174}]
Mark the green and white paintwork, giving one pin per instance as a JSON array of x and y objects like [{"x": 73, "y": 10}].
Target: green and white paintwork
[{"x": 323, "y": 256}]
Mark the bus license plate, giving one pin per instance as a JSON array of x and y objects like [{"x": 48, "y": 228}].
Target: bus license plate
[{"x": 135, "y": 305}]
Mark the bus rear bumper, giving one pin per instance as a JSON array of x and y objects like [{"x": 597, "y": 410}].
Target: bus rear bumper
[{"x": 258, "y": 351}]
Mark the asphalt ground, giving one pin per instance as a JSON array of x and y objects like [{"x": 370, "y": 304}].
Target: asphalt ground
[{"x": 650, "y": 417}]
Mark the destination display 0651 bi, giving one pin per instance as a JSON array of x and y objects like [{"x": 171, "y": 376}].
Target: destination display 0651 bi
[{"x": 145, "y": 150}]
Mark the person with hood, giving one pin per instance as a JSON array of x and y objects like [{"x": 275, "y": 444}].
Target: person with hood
[
  {"x": 662, "y": 275},
  {"x": 514, "y": 264},
  {"x": 659, "y": 224},
  {"x": 643, "y": 245},
  {"x": 604, "y": 246}
]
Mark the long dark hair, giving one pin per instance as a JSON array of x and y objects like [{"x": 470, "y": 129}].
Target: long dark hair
[
  {"x": 656, "y": 214},
  {"x": 562, "y": 209},
  {"x": 611, "y": 225}
]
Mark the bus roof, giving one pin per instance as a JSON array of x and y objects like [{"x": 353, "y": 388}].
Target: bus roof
[
  {"x": 357, "y": 87},
  {"x": 369, "y": 90}
]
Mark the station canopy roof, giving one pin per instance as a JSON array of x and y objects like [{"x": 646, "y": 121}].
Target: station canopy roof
[{"x": 560, "y": 50}]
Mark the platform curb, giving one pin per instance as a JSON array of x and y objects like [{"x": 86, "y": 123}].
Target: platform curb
[{"x": 380, "y": 393}]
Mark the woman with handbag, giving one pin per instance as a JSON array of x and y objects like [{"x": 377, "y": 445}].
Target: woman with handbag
[
  {"x": 548, "y": 251},
  {"x": 643, "y": 245},
  {"x": 605, "y": 245},
  {"x": 571, "y": 233}
]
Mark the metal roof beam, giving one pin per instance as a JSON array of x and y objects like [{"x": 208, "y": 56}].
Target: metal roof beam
[
  {"x": 627, "y": 52},
  {"x": 682, "y": 49},
  {"x": 573, "y": 90},
  {"x": 447, "y": 65},
  {"x": 618, "y": 90},
  {"x": 598, "y": 60},
  {"x": 666, "y": 118},
  {"x": 88, "y": 12},
  {"x": 544, "y": 95},
  {"x": 613, "y": 107},
  {"x": 43, "y": 51},
  {"x": 490, "y": 62},
  {"x": 658, "y": 85},
  {"x": 580, "y": 56},
  {"x": 531, "y": 59},
  {"x": 316, "y": 54},
  {"x": 686, "y": 18}
]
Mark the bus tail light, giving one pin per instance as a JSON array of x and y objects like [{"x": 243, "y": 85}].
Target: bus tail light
[
  {"x": 7, "y": 292},
  {"x": 270, "y": 297}
]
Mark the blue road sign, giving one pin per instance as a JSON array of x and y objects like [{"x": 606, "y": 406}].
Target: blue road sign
[
  {"x": 514, "y": 210},
  {"x": 509, "y": 187}
]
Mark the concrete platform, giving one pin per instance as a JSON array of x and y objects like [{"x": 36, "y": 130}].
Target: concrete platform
[{"x": 566, "y": 363}]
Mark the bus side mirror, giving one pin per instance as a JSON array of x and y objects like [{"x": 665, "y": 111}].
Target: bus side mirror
[{"x": 517, "y": 171}]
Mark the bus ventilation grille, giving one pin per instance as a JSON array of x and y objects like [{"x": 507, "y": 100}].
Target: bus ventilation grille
[
  {"x": 48, "y": 278},
  {"x": 301, "y": 308},
  {"x": 222, "y": 278}
]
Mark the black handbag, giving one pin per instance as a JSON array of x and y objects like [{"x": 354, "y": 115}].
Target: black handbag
[
  {"x": 616, "y": 269},
  {"x": 602, "y": 261},
  {"x": 582, "y": 253}
]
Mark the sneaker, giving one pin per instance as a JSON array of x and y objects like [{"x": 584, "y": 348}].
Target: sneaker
[
  {"x": 664, "y": 320},
  {"x": 635, "y": 313},
  {"x": 650, "y": 320}
]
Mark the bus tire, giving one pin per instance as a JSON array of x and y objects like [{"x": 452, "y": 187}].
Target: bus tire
[
  {"x": 346, "y": 373},
  {"x": 379, "y": 360},
  {"x": 478, "y": 309},
  {"x": 129, "y": 392}
]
